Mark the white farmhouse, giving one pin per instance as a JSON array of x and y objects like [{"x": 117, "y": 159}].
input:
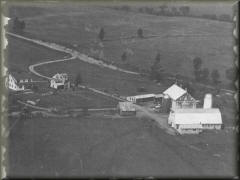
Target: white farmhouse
[
  {"x": 11, "y": 83},
  {"x": 195, "y": 120},
  {"x": 59, "y": 81}
]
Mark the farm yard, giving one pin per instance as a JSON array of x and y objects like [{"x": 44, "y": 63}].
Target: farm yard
[{"x": 107, "y": 144}]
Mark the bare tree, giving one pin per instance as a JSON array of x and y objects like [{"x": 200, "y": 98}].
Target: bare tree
[
  {"x": 101, "y": 34},
  {"x": 140, "y": 33}
]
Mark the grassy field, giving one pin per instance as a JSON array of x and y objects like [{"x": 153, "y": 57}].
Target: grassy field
[
  {"x": 102, "y": 78},
  {"x": 113, "y": 146},
  {"x": 179, "y": 40},
  {"x": 20, "y": 54}
]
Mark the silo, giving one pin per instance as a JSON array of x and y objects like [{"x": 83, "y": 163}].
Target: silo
[{"x": 207, "y": 101}]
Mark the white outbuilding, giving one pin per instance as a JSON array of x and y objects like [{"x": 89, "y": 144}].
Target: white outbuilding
[
  {"x": 126, "y": 108},
  {"x": 141, "y": 98},
  {"x": 195, "y": 120}
]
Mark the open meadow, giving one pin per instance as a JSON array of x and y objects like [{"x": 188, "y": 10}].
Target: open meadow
[
  {"x": 178, "y": 39},
  {"x": 115, "y": 146}
]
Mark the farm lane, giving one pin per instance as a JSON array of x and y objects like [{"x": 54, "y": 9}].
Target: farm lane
[
  {"x": 73, "y": 53},
  {"x": 31, "y": 67}
]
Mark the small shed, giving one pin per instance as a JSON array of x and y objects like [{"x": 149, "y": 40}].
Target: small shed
[
  {"x": 192, "y": 118},
  {"x": 126, "y": 108}
]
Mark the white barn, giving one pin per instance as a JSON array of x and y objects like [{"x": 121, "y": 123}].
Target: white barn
[
  {"x": 180, "y": 98},
  {"x": 195, "y": 120}
]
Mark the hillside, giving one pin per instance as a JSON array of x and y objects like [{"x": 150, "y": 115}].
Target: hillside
[{"x": 79, "y": 25}]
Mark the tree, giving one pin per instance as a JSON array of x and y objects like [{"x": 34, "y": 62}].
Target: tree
[
  {"x": 189, "y": 88},
  {"x": 215, "y": 77},
  {"x": 140, "y": 33},
  {"x": 163, "y": 9},
  {"x": 101, "y": 34},
  {"x": 78, "y": 79},
  {"x": 204, "y": 74},
  {"x": 197, "y": 63},
  {"x": 185, "y": 10},
  {"x": 174, "y": 11},
  {"x": 156, "y": 71},
  {"x": 231, "y": 74},
  {"x": 124, "y": 56},
  {"x": 158, "y": 57}
]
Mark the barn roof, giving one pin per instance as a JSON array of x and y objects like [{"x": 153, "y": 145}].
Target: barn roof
[
  {"x": 197, "y": 116},
  {"x": 174, "y": 92},
  {"x": 143, "y": 96}
]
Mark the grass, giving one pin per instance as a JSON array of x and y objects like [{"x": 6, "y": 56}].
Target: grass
[
  {"x": 21, "y": 54},
  {"x": 112, "y": 146},
  {"x": 102, "y": 78},
  {"x": 210, "y": 40}
]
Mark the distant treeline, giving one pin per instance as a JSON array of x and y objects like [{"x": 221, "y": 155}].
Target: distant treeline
[{"x": 164, "y": 10}]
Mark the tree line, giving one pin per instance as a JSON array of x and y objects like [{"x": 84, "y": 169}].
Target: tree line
[{"x": 165, "y": 10}]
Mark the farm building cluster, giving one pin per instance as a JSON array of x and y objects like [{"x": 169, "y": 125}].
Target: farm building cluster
[{"x": 184, "y": 116}]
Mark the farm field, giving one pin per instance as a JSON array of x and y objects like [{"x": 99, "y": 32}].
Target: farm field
[
  {"x": 20, "y": 54},
  {"x": 66, "y": 100},
  {"x": 102, "y": 78},
  {"x": 121, "y": 28},
  {"x": 113, "y": 146}
]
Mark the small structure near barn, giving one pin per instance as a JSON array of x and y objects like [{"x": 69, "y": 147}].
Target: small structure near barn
[
  {"x": 60, "y": 81},
  {"x": 195, "y": 120},
  {"x": 141, "y": 98},
  {"x": 180, "y": 98},
  {"x": 126, "y": 108},
  {"x": 13, "y": 84}
]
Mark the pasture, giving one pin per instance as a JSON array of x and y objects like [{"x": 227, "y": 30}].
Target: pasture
[
  {"x": 102, "y": 78},
  {"x": 178, "y": 39},
  {"x": 114, "y": 146},
  {"x": 21, "y": 54}
]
